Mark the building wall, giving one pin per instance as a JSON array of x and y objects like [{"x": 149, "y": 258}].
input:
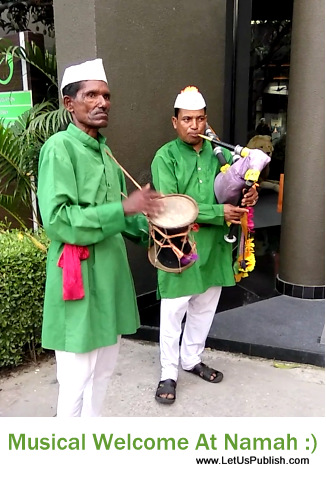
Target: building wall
[{"x": 151, "y": 50}]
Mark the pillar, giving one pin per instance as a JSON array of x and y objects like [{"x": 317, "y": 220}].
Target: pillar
[{"x": 302, "y": 257}]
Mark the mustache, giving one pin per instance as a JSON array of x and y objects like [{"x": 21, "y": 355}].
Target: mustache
[{"x": 100, "y": 110}]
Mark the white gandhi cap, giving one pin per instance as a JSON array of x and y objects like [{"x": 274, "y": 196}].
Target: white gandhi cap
[
  {"x": 190, "y": 99},
  {"x": 90, "y": 70}
]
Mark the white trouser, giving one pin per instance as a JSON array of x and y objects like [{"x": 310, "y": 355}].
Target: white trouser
[
  {"x": 83, "y": 379},
  {"x": 200, "y": 311}
]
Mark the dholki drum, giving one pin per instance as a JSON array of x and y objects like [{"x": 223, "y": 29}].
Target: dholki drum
[{"x": 173, "y": 249}]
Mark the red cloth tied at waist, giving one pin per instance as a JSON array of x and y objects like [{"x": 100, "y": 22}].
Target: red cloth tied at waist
[{"x": 69, "y": 261}]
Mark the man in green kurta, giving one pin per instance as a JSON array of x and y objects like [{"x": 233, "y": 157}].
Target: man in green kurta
[
  {"x": 187, "y": 165},
  {"x": 80, "y": 191}
]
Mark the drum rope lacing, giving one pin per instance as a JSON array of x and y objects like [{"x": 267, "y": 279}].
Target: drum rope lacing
[{"x": 167, "y": 238}]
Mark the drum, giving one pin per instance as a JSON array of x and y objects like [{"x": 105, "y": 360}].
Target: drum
[{"x": 173, "y": 248}]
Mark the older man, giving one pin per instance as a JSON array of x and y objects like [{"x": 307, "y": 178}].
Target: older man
[
  {"x": 187, "y": 165},
  {"x": 89, "y": 299}
]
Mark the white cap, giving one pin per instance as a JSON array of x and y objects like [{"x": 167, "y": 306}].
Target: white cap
[
  {"x": 190, "y": 99},
  {"x": 91, "y": 70}
]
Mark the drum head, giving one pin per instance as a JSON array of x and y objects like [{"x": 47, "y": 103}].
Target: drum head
[{"x": 179, "y": 211}]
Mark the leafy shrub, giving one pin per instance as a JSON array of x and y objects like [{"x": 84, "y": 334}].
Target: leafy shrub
[{"x": 22, "y": 281}]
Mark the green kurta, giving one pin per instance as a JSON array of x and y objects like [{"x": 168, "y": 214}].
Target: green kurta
[
  {"x": 178, "y": 168},
  {"x": 79, "y": 192}
]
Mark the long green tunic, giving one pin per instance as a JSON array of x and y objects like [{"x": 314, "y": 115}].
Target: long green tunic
[
  {"x": 79, "y": 193},
  {"x": 178, "y": 168}
]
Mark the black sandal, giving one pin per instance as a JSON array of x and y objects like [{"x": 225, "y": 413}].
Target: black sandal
[
  {"x": 167, "y": 387},
  {"x": 205, "y": 372}
]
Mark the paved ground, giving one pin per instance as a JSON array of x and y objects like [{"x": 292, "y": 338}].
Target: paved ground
[{"x": 252, "y": 387}]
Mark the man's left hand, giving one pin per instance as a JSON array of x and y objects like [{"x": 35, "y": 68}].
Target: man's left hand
[{"x": 250, "y": 198}]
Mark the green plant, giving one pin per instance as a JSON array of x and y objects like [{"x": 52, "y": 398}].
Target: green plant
[
  {"x": 20, "y": 142},
  {"x": 22, "y": 280}
]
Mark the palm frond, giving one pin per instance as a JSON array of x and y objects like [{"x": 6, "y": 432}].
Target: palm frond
[
  {"x": 11, "y": 204},
  {"x": 15, "y": 167},
  {"x": 20, "y": 145},
  {"x": 10, "y": 151},
  {"x": 12, "y": 213},
  {"x": 21, "y": 141},
  {"x": 49, "y": 122},
  {"x": 6, "y": 200},
  {"x": 19, "y": 126}
]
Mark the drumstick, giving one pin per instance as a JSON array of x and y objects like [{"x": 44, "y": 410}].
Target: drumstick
[
  {"x": 124, "y": 170},
  {"x": 126, "y": 173}
]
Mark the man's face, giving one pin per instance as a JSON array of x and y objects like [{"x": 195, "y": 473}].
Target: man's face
[
  {"x": 188, "y": 124},
  {"x": 90, "y": 107}
]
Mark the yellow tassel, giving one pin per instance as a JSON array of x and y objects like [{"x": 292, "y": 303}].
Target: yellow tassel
[
  {"x": 252, "y": 175},
  {"x": 249, "y": 258},
  {"x": 225, "y": 168}
]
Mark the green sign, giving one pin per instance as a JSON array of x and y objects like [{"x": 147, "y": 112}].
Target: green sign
[{"x": 14, "y": 104}]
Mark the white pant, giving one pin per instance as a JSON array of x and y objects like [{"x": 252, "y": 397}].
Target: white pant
[
  {"x": 83, "y": 379},
  {"x": 200, "y": 311}
]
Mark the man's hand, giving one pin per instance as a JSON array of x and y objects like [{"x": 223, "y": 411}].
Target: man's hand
[
  {"x": 233, "y": 214},
  {"x": 143, "y": 201},
  {"x": 250, "y": 198}
]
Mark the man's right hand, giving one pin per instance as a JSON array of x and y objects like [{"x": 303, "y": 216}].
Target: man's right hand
[
  {"x": 143, "y": 201},
  {"x": 233, "y": 214}
]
